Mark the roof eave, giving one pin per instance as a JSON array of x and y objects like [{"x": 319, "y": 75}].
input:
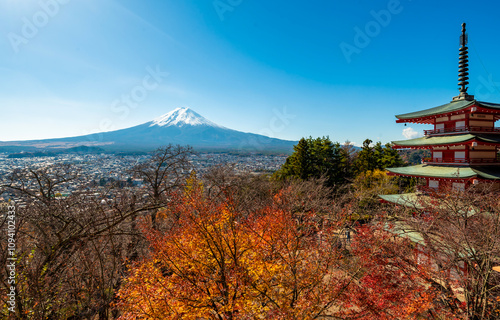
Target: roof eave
[{"x": 428, "y": 119}]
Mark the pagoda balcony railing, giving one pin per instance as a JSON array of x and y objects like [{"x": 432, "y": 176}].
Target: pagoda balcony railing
[
  {"x": 460, "y": 160},
  {"x": 461, "y": 129}
]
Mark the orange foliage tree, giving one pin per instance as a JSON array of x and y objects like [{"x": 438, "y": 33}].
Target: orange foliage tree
[{"x": 216, "y": 263}]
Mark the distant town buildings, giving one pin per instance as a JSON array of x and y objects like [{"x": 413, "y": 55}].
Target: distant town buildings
[{"x": 101, "y": 169}]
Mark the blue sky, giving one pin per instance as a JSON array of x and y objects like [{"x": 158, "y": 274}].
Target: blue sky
[{"x": 286, "y": 69}]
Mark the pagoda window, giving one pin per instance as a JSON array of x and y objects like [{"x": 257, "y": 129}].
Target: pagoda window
[
  {"x": 439, "y": 127},
  {"x": 433, "y": 184},
  {"x": 458, "y": 186},
  {"x": 459, "y": 156},
  {"x": 460, "y": 124}
]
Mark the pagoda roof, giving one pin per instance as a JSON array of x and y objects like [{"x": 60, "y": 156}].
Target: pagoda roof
[
  {"x": 419, "y": 201},
  {"x": 447, "y": 140},
  {"x": 423, "y": 170},
  {"x": 492, "y": 173},
  {"x": 406, "y": 230},
  {"x": 403, "y": 230},
  {"x": 448, "y": 172},
  {"x": 450, "y": 107},
  {"x": 410, "y": 200}
]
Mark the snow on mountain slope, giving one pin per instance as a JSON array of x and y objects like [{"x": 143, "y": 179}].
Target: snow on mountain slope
[{"x": 180, "y": 117}]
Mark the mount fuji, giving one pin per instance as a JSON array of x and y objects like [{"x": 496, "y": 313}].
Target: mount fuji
[{"x": 181, "y": 126}]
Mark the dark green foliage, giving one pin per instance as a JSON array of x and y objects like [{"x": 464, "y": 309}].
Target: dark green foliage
[
  {"x": 366, "y": 158},
  {"x": 376, "y": 157},
  {"x": 320, "y": 157},
  {"x": 316, "y": 158},
  {"x": 390, "y": 158}
]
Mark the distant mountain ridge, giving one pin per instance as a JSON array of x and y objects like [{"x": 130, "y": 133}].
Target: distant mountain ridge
[{"x": 181, "y": 126}]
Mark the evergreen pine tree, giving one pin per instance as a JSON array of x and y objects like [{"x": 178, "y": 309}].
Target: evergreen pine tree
[
  {"x": 298, "y": 165},
  {"x": 366, "y": 159},
  {"x": 315, "y": 158}
]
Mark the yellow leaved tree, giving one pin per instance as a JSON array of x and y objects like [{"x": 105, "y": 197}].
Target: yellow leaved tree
[{"x": 216, "y": 263}]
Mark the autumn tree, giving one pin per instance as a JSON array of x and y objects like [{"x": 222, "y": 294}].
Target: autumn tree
[
  {"x": 42, "y": 184},
  {"x": 219, "y": 264},
  {"x": 69, "y": 251},
  {"x": 461, "y": 230},
  {"x": 166, "y": 170},
  {"x": 393, "y": 283},
  {"x": 368, "y": 185},
  {"x": 249, "y": 192}
]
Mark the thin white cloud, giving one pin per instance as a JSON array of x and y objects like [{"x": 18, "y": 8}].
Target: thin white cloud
[{"x": 410, "y": 133}]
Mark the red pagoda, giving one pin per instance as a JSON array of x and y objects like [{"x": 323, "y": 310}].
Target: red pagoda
[{"x": 463, "y": 142}]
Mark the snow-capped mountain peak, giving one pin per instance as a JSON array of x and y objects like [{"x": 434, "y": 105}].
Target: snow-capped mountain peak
[
  {"x": 181, "y": 126},
  {"x": 182, "y": 117}
]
